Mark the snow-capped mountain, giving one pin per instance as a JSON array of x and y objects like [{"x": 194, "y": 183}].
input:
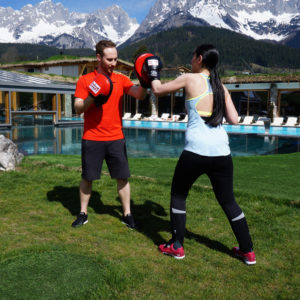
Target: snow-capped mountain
[
  {"x": 51, "y": 24},
  {"x": 261, "y": 19}
]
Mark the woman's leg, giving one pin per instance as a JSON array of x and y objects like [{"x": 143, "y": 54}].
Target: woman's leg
[
  {"x": 187, "y": 170},
  {"x": 221, "y": 177}
]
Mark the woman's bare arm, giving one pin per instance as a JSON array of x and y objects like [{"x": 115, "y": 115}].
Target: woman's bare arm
[
  {"x": 231, "y": 113},
  {"x": 160, "y": 89}
]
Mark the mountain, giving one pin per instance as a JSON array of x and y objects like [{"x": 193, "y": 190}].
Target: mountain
[
  {"x": 51, "y": 24},
  {"x": 275, "y": 20},
  {"x": 238, "y": 51}
]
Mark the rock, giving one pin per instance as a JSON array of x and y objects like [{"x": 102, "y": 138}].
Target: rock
[{"x": 10, "y": 157}]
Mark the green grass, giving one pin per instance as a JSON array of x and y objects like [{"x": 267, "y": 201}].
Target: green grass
[{"x": 43, "y": 257}]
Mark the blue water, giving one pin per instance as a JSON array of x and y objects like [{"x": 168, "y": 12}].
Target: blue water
[
  {"x": 241, "y": 129},
  {"x": 155, "y": 142}
]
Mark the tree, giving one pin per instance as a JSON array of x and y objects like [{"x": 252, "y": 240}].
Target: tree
[
  {"x": 11, "y": 55},
  {"x": 142, "y": 49}
]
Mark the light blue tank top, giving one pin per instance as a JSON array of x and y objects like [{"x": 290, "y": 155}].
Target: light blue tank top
[{"x": 201, "y": 138}]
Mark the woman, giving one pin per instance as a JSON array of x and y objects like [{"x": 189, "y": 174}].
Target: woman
[{"x": 206, "y": 148}]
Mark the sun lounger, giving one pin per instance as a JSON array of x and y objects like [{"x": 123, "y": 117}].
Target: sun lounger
[
  {"x": 291, "y": 121},
  {"x": 260, "y": 121},
  {"x": 136, "y": 117},
  {"x": 153, "y": 118},
  {"x": 277, "y": 121},
  {"x": 126, "y": 116},
  {"x": 185, "y": 119},
  {"x": 175, "y": 118},
  {"x": 247, "y": 120},
  {"x": 164, "y": 117}
]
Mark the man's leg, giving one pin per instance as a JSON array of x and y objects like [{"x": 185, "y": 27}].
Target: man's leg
[
  {"x": 85, "y": 190},
  {"x": 123, "y": 187}
]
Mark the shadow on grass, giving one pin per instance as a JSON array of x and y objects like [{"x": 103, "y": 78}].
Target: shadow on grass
[
  {"x": 69, "y": 198},
  {"x": 148, "y": 215}
]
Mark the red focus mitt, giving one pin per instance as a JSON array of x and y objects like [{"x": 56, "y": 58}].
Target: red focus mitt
[
  {"x": 100, "y": 89},
  {"x": 141, "y": 70}
]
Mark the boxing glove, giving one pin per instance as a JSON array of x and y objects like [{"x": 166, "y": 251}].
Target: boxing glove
[
  {"x": 153, "y": 65},
  {"x": 100, "y": 89},
  {"x": 141, "y": 70}
]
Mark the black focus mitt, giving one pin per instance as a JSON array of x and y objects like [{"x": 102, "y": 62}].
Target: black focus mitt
[{"x": 153, "y": 65}]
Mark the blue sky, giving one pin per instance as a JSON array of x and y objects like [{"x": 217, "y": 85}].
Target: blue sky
[{"x": 135, "y": 8}]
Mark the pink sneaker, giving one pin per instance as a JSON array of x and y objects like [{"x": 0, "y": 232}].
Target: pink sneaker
[
  {"x": 248, "y": 258},
  {"x": 168, "y": 249}
]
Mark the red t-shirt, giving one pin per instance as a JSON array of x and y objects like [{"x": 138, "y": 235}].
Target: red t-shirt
[{"x": 104, "y": 123}]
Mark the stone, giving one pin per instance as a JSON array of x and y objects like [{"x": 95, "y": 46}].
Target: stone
[{"x": 10, "y": 157}]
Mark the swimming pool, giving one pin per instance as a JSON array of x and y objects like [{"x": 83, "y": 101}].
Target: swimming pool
[
  {"x": 240, "y": 129},
  {"x": 141, "y": 142}
]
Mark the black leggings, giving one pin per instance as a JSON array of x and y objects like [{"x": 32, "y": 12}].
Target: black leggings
[{"x": 220, "y": 172}]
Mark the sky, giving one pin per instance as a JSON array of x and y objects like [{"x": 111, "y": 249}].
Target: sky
[{"x": 135, "y": 8}]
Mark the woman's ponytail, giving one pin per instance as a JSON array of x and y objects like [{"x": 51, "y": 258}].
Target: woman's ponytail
[{"x": 210, "y": 58}]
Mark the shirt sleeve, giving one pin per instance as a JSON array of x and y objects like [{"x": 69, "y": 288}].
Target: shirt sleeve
[
  {"x": 127, "y": 84},
  {"x": 81, "y": 89}
]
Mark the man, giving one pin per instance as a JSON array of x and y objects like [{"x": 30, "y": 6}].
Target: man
[{"x": 103, "y": 138}]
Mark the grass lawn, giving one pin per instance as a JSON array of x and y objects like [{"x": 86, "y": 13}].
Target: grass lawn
[{"x": 43, "y": 257}]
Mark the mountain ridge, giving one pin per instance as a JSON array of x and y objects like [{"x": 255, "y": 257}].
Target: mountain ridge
[
  {"x": 50, "y": 24},
  {"x": 275, "y": 20}
]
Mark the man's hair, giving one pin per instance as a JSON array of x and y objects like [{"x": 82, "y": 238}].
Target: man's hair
[{"x": 101, "y": 45}]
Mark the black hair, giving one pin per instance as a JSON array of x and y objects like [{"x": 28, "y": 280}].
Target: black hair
[{"x": 210, "y": 58}]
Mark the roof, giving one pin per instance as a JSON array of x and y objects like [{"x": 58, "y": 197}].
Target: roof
[
  {"x": 262, "y": 78},
  {"x": 66, "y": 62},
  {"x": 13, "y": 81}
]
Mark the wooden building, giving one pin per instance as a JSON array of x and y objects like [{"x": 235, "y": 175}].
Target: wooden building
[
  {"x": 21, "y": 94},
  {"x": 65, "y": 67}
]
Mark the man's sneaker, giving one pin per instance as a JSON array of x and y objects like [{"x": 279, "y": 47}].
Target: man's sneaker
[
  {"x": 128, "y": 220},
  {"x": 248, "y": 258},
  {"x": 81, "y": 220},
  {"x": 169, "y": 249}
]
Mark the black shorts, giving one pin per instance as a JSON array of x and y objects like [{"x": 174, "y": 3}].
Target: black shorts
[{"x": 113, "y": 152}]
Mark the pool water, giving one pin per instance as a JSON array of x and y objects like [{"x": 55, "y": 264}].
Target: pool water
[
  {"x": 241, "y": 129},
  {"x": 142, "y": 142}
]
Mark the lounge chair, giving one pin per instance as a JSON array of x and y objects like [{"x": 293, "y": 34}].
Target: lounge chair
[
  {"x": 126, "y": 116},
  {"x": 291, "y": 121},
  {"x": 185, "y": 119},
  {"x": 164, "y": 117},
  {"x": 153, "y": 118},
  {"x": 175, "y": 118},
  {"x": 260, "y": 121},
  {"x": 277, "y": 121},
  {"x": 247, "y": 120},
  {"x": 136, "y": 117},
  {"x": 224, "y": 121}
]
